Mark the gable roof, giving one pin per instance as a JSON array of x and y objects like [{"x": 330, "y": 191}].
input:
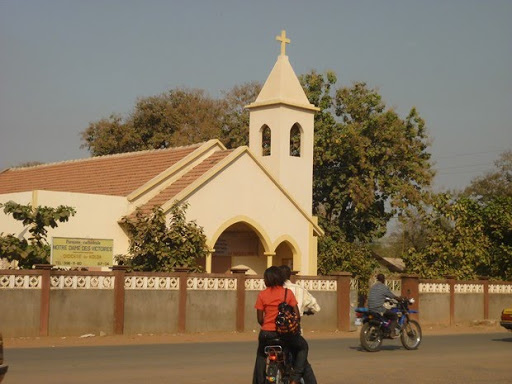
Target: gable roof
[
  {"x": 168, "y": 193},
  {"x": 131, "y": 174},
  {"x": 114, "y": 175},
  {"x": 214, "y": 165}
]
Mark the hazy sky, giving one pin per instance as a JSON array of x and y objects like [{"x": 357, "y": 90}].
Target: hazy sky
[{"x": 64, "y": 64}]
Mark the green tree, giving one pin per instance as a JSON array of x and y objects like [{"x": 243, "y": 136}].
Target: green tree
[
  {"x": 111, "y": 135},
  {"x": 408, "y": 234},
  {"x": 337, "y": 254},
  {"x": 36, "y": 250},
  {"x": 494, "y": 183},
  {"x": 28, "y": 164},
  {"x": 178, "y": 117},
  {"x": 235, "y": 129},
  {"x": 465, "y": 237},
  {"x": 369, "y": 163},
  {"x": 156, "y": 246},
  {"x": 175, "y": 118}
]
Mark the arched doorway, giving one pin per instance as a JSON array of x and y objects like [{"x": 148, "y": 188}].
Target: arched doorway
[
  {"x": 240, "y": 246},
  {"x": 286, "y": 255}
]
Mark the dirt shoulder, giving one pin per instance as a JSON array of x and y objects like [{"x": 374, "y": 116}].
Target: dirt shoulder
[{"x": 139, "y": 339}]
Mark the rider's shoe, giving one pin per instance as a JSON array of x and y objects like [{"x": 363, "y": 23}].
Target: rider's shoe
[{"x": 394, "y": 334}]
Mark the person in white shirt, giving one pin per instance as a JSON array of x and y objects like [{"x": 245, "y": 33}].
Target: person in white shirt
[{"x": 306, "y": 302}]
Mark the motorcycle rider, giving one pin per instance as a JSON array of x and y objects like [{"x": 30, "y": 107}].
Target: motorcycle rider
[
  {"x": 307, "y": 304},
  {"x": 266, "y": 312},
  {"x": 377, "y": 296}
]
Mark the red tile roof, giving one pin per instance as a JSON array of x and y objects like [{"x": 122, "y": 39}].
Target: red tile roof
[
  {"x": 116, "y": 175},
  {"x": 184, "y": 181}
]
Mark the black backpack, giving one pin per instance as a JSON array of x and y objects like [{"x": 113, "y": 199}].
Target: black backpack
[{"x": 287, "y": 320}]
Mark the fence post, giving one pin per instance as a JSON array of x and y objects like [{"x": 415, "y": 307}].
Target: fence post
[
  {"x": 485, "y": 282},
  {"x": 182, "y": 305},
  {"x": 410, "y": 288},
  {"x": 119, "y": 297},
  {"x": 240, "y": 297},
  {"x": 451, "y": 282},
  {"x": 44, "y": 314},
  {"x": 343, "y": 299}
]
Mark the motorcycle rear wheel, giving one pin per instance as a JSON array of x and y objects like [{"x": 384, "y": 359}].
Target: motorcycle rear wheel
[
  {"x": 370, "y": 337},
  {"x": 411, "y": 335}
]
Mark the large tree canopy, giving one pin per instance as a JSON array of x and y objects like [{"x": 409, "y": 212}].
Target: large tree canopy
[
  {"x": 235, "y": 129},
  {"x": 494, "y": 183},
  {"x": 178, "y": 117},
  {"x": 369, "y": 163},
  {"x": 465, "y": 235}
]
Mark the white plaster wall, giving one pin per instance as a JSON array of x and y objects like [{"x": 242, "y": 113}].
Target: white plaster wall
[
  {"x": 243, "y": 189},
  {"x": 294, "y": 173},
  {"x": 96, "y": 216}
]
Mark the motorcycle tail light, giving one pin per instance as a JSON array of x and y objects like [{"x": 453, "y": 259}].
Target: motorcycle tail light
[{"x": 272, "y": 357}]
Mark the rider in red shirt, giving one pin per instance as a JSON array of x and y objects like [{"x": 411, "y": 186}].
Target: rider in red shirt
[
  {"x": 267, "y": 303},
  {"x": 266, "y": 311}
]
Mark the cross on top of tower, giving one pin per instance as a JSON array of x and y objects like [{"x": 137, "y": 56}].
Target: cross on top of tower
[{"x": 282, "y": 38}]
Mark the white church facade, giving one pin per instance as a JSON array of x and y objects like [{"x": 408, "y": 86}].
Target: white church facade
[{"x": 254, "y": 203}]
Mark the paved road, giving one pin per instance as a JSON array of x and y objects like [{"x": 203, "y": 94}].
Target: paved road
[{"x": 477, "y": 358}]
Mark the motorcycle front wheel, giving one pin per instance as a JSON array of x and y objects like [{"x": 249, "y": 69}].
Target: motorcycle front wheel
[
  {"x": 370, "y": 337},
  {"x": 411, "y": 335}
]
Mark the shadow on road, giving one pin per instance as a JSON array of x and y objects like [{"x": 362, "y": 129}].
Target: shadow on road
[
  {"x": 505, "y": 339},
  {"x": 383, "y": 348}
]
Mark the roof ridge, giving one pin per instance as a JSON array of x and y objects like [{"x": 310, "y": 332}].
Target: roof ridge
[
  {"x": 93, "y": 158},
  {"x": 186, "y": 179}
]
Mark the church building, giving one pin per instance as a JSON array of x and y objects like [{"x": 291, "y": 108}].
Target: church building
[{"x": 254, "y": 203}]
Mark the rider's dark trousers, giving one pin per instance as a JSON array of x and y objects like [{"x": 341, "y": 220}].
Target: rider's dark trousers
[
  {"x": 301, "y": 366},
  {"x": 393, "y": 317}
]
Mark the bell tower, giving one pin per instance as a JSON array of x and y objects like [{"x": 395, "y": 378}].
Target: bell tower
[{"x": 281, "y": 129}]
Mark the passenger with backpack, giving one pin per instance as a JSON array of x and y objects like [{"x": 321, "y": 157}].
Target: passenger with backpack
[{"x": 278, "y": 314}]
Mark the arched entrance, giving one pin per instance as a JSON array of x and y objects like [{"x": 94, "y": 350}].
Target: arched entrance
[
  {"x": 286, "y": 254},
  {"x": 239, "y": 245}
]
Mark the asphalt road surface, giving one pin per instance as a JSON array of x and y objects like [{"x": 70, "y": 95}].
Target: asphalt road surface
[{"x": 468, "y": 358}]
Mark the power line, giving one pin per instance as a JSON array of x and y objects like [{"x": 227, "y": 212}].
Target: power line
[
  {"x": 469, "y": 154},
  {"x": 466, "y": 165},
  {"x": 458, "y": 172}
]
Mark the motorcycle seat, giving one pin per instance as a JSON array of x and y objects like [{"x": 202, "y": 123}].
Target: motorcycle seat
[{"x": 274, "y": 341}]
